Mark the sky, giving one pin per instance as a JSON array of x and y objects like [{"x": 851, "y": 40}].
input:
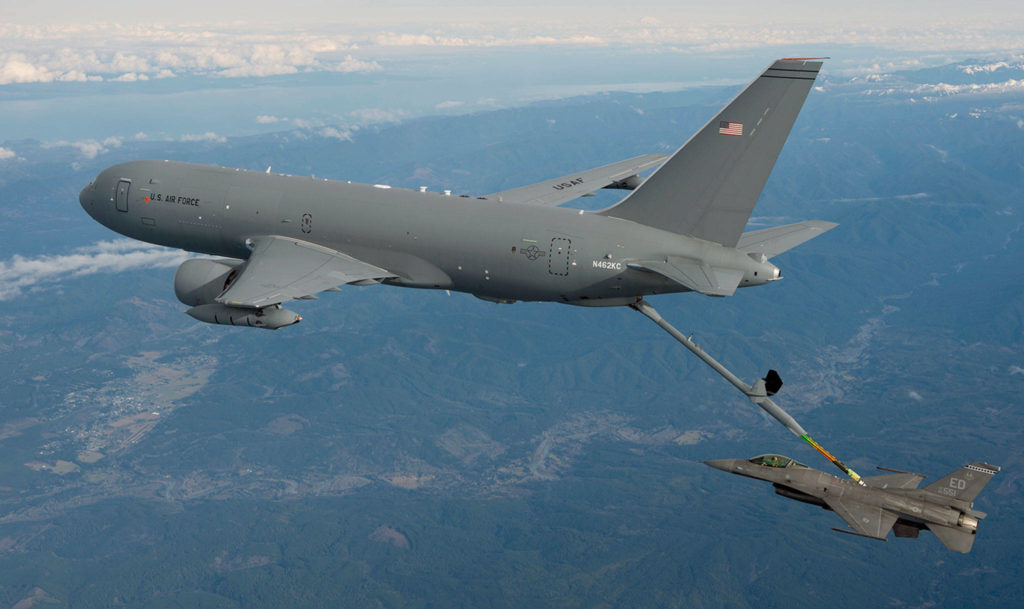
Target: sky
[
  {"x": 119, "y": 40},
  {"x": 505, "y": 12},
  {"x": 103, "y": 71}
]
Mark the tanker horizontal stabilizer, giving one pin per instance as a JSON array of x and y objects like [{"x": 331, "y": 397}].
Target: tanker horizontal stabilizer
[
  {"x": 281, "y": 269},
  {"x": 773, "y": 241},
  {"x": 694, "y": 275}
]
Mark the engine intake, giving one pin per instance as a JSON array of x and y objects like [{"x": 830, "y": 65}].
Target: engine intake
[{"x": 200, "y": 281}]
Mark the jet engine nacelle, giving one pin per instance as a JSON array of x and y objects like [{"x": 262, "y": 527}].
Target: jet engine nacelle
[
  {"x": 200, "y": 281},
  {"x": 268, "y": 318}
]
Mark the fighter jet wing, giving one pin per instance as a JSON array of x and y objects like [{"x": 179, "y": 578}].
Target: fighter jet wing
[
  {"x": 555, "y": 192},
  {"x": 866, "y": 520},
  {"x": 281, "y": 269},
  {"x": 694, "y": 274},
  {"x": 905, "y": 480}
]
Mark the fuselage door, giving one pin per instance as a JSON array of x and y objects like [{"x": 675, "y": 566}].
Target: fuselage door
[
  {"x": 121, "y": 195},
  {"x": 559, "y": 255}
]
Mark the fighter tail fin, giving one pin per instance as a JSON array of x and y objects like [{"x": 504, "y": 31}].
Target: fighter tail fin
[
  {"x": 965, "y": 483},
  {"x": 710, "y": 185}
]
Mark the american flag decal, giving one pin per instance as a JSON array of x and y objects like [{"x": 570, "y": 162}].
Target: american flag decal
[{"x": 727, "y": 128}]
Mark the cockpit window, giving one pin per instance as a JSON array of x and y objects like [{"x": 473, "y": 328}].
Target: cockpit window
[{"x": 773, "y": 461}]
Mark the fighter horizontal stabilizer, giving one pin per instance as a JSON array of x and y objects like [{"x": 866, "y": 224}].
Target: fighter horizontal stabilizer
[
  {"x": 694, "y": 274},
  {"x": 866, "y": 520},
  {"x": 773, "y": 241},
  {"x": 281, "y": 269},
  {"x": 957, "y": 540},
  {"x": 566, "y": 188}
]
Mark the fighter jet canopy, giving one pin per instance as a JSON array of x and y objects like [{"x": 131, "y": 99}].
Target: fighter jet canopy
[{"x": 780, "y": 461}]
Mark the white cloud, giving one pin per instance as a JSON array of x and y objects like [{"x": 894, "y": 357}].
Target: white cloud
[
  {"x": 333, "y": 132},
  {"x": 20, "y": 273},
  {"x": 209, "y": 136},
  {"x": 986, "y": 67},
  {"x": 89, "y": 149},
  {"x": 266, "y": 119},
  {"x": 6, "y": 154},
  {"x": 351, "y": 64},
  {"x": 130, "y": 77},
  {"x": 513, "y": 38},
  {"x": 17, "y": 69},
  {"x": 445, "y": 105},
  {"x": 133, "y": 52},
  {"x": 915, "y": 396},
  {"x": 941, "y": 88}
]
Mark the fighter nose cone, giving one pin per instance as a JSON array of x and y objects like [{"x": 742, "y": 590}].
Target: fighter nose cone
[{"x": 723, "y": 464}]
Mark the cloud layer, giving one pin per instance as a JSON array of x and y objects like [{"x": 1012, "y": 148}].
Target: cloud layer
[
  {"x": 120, "y": 53},
  {"x": 131, "y": 53},
  {"x": 20, "y": 274}
]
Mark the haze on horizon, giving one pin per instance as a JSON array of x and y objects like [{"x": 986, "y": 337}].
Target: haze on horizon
[
  {"x": 535, "y": 13},
  {"x": 90, "y": 77}
]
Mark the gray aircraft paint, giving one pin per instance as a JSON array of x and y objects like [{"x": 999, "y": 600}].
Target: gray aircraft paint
[
  {"x": 491, "y": 247},
  {"x": 886, "y": 502},
  {"x": 710, "y": 186}
]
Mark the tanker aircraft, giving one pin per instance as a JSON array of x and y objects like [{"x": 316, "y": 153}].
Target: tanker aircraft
[{"x": 278, "y": 237}]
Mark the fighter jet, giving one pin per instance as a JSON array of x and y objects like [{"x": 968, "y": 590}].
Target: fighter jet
[
  {"x": 277, "y": 237},
  {"x": 887, "y": 501}
]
